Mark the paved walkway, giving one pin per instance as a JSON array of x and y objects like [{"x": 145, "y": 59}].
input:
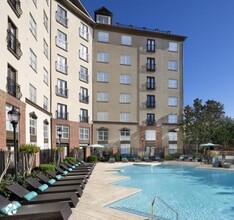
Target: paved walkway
[{"x": 99, "y": 192}]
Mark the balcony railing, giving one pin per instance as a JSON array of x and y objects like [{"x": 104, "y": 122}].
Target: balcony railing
[
  {"x": 13, "y": 44},
  {"x": 15, "y": 5},
  {"x": 84, "y": 98},
  {"x": 84, "y": 119},
  {"x": 84, "y": 77},
  {"x": 150, "y": 85},
  {"x": 13, "y": 88},
  {"x": 84, "y": 56},
  {"x": 150, "y": 104},
  {"x": 84, "y": 34},
  {"x": 150, "y": 122},
  {"x": 150, "y": 66},
  {"x": 61, "y": 91},
  {"x": 150, "y": 48},
  {"x": 61, "y": 43},
  {"x": 62, "y": 115},
  {"x": 61, "y": 19}
]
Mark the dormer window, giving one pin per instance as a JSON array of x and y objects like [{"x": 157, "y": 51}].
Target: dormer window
[{"x": 102, "y": 19}]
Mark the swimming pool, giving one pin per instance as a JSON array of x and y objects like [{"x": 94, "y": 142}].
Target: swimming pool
[{"x": 196, "y": 194}]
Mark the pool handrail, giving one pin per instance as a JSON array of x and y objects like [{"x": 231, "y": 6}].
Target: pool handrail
[{"x": 152, "y": 207}]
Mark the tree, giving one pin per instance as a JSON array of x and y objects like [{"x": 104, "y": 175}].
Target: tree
[
  {"x": 7, "y": 164},
  {"x": 201, "y": 122}
]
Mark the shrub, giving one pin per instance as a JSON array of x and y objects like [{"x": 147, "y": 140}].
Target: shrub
[
  {"x": 168, "y": 157},
  {"x": 72, "y": 159},
  {"x": 44, "y": 167},
  {"x": 92, "y": 158},
  {"x": 117, "y": 156}
]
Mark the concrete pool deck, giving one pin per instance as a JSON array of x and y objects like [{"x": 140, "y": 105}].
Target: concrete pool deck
[{"x": 99, "y": 192}]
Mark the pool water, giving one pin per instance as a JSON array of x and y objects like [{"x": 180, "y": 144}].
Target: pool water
[{"x": 196, "y": 194}]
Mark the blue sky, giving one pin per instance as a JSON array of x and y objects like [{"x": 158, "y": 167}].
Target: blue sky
[{"x": 208, "y": 50}]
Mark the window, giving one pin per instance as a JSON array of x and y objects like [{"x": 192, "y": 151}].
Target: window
[
  {"x": 12, "y": 86},
  {"x": 15, "y": 6},
  {"x": 125, "y": 149},
  {"x": 172, "y": 101},
  {"x": 84, "y": 117},
  {"x": 150, "y": 45},
  {"x": 125, "y": 60},
  {"x": 32, "y": 60},
  {"x": 172, "y": 65},
  {"x": 64, "y": 131},
  {"x": 32, "y": 93},
  {"x": 84, "y": 31},
  {"x": 172, "y": 148},
  {"x": 150, "y": 83},
  {"x": 45, "y": 46},
  {"x": 102, "y": 97},
  {"x": 172, "y": 136},
  {"x": 45, "y": 76},
  {"x": 61, "y": 40},
  {"x": 45, "y": 103},
  {"x": 125, "y": 79},
  {"x": 84, "y": 133},
  {"x": 126, "y": 40},
  {"x": 84, "y": 53},
  {"x": 150, "y": 135},
  {"x": 62, "y": 111},
  {"x": 102, "y": 77},
  {"x": 46, "y": 130},
  {"x": 125, "y": 116},
  {"x": 33, "y": 126},
  {"x": 45, "y": 20},
  {"x": 84, "y": 97},
  {"x": 172, "y": 83},
  {"x": 102, "y": 135},
  {"x": 32, "y": 25},
  {"x": 61, "y": 88},
  {"x": 102, "y": 57},
  {"x": 173, "y": 47},
  {"x": 102, "y": 116},
  {"x": 83, "y": 74},
  {"x": 150, "y": 119},
  {"x": 150, "y": 101},
  {"x": 103, "y": 36},
  {"x": 61, "y": 16},
  {"x": 102, "y": 19},
  {"x": 125, "y": 135},
  {"x": 61, "y": 64},
  {"x": 150, "y": 65},
  {"x": 172, "y": 118},
  {"x": 125, "y": 98}
]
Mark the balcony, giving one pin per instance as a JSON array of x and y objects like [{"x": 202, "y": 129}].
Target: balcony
[
  {"x": 13, "y": 88},
  {"x": 15, "y": 5},
  {"x": 150, "y": 104},
  {"x": 150, "y": 67},
  {"x": 150, "y": 122},
  {"x": 84, "y": 77},
  {"x": 61, "y": 67},
  {"x": 84, "y": 56},
  {"x": 61, "y": 43},
  {"x": 84, "y": 34},
  {"x": 150, "y": 85},
  {"x": 84, "y": 98},
  {"x": 151, "y": 48},
  {"x": 62, "y": 115},
  {"x": 84, "y": 119},
  {"x": 13, "y": 44},
  {"x": 61, "y": 91}
]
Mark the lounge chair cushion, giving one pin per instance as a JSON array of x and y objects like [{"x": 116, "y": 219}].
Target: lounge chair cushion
[
  {"x": 51, "y": 181},
  {"x": 31, "y": 195},
  {"x": 70, "y": 169},
  {"x": 58, "y": 177},
  {"x": 10, "y": 209},
  {"x": 43, "y": 187},
  {"x": 65, "y": 172}
]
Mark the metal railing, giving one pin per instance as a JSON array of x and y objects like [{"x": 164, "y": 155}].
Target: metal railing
[{"x": 162, "y": 201}]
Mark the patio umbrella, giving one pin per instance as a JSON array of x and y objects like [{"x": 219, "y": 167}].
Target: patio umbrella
[
  {"x": 208, "y": 145},
  {"x": 96, "y": 146}
]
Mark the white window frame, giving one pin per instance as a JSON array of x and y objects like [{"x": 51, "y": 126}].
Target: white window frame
[
  {"x": 125, "y": 116},
  {"x": 64, "y": 131},
  {"x": 102, "y": 135},
  {"x": 45, "y": 76},
  {"x": 103, "y": 57},
  {"x": 172, "y": 83},
  {"x": 61, "y": 40},
  {"x": 103, "y": 36},
  {"x": 32, "y": 93},
  {"x": 172, "y": 101},
  {"x": 103, "y": 77},
  {"x": 172, "y": 118},
  {"x": 172, "y": 136},
  {"x": 45, "y": 20},
  {"x": 125, "y": 79},
  {"x": 84, "y": 31},
  {"x": 32, "y": 25},
  {"x": 172, "y": 65},
  {"x": 102, "y": 116},
  {"x": 84, "y": 133},
  {"x": 102, "y": 19},
  {"x": 126, "y": 40},
  {"x": 32, "y": 126},
  {"x": 83, "y": 52},
  {"x": 125, "y": 60},
  {"x": 125, "y": 149},
  {"x": 61, "y": 16},
  {"x": 32, "y": 59},
  {"x": 45, "y": 103},
  {"x": 46, "y": 130},
  {"x": 61, "y": 64},
  {"x": 125, "y": 98},
  {"x": 125, "y": 135},
  {"x": 150, "y": 135},
  {"x": 45, "y": 47},
  {"x": 102, "y": 96},
  {"x": 83, "y": 74},
  {"x": 173, "y": 47}
]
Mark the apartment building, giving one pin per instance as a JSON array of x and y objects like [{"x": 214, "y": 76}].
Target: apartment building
[
  {"x": 46, "y": 67},
  {"x": 137, "y": 88}
]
